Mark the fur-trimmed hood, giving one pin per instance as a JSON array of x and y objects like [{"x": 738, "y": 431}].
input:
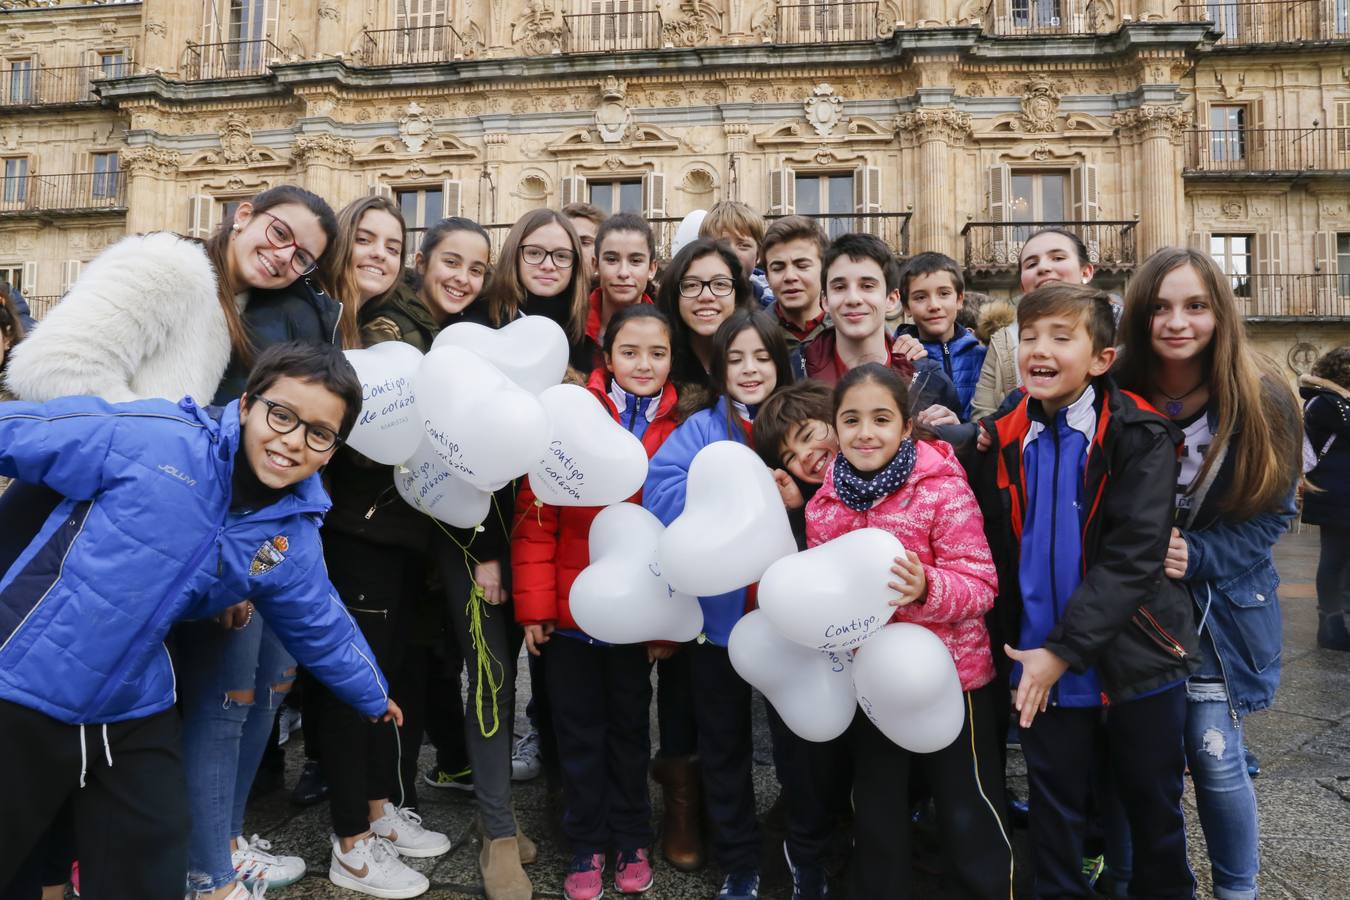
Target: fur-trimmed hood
[
  {"x": 142, "y": 321},
  {"x": 994, "y": 317}
]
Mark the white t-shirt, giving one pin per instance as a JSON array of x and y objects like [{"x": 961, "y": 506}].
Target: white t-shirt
[{"x": 1198, "y": 437}]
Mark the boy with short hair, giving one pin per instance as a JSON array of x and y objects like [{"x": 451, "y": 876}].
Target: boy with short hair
[
  {"x": 794, "y": 247},
  {"x": 1078, "y": 496},
  {"x": 171, "y": 512},
  {"x": 861, "y": 284},
  {"x": 586, "y": 218},
  {"x": 743, "y": 230},
  {"x": 932, "y": 291},
  {"x": 625, "y": 255}
]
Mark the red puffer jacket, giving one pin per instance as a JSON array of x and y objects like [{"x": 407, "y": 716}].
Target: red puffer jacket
[{"x": 550, "y": 544}]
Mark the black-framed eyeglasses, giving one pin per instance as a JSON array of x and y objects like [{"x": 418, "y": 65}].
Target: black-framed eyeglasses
[
  {"x": 280, "y": 236},
  {"x": 283, "y": 420},
  {"x": 720, "y": 286},
  {"x": 534, "y": 255}
]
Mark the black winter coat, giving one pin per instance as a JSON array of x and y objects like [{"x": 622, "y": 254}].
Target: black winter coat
[
  {"x": 1326, "y": 417},
  {"x": 300, "y": 312}
]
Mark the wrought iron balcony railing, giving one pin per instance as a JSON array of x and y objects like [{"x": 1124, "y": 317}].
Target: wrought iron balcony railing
[
  {"x": 1292, "y": 296},
  {"x": 56, "y": 85},
  {"x": 1036, "y": 18},
  {"x": 411, "y": 46},
  {"x": 996, "y": 246},
  {"x": 1268, "y": 150},
  {"x": 606, "y": 32},
  {"x": 228, "y": 59},
  {"x": 66, "y": 194},
  {"x": 1250, "y": 22},
  {"x": 827, "y": 22}
]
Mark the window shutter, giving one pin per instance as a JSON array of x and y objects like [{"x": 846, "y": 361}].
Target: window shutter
[
  {"x": 70, "y": 273},
  {"x": 654, "y": 195},
  {"x": 30, "y": 281},
  {"x": 451, "y": 198},
  {"x": 200, "y": 210},
  {"x": 782, "y": 192},
  {"x": 997, "y": 190},
  {"x": 1324, "y": 261},
  {"x": 376, "y": 189},
  {"x": 867, "y": 198},
  {"x": 1342, "y": 144},
  {"x": 211, "y": 31},
  {"x": 1086, "y": 196},
  {"x": 1199, "y": 241},
  {"x": 572, "y": 190},
  {"x": 1265, "y": 265}
]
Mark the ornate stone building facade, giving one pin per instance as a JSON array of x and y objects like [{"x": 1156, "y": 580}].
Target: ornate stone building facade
[{"x": 954, "y": 125}]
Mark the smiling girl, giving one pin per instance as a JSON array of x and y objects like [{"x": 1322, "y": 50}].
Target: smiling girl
[{"x": 700, "y": 289}]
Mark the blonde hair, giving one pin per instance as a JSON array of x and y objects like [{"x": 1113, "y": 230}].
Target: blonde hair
[
  {"x": 335, "y": 274},
  {"x": 504, "y": 291},
  {"x": 732, "y": 217}
]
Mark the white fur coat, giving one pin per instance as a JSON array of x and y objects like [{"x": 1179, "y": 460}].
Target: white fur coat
[{"x": 142, "y": 321}]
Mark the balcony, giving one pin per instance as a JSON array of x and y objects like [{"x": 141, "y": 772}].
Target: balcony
[
  {"x": 1267, "y": 152},
  {"x": 411, "y": 46},
  {"x": 995, "y": 246},
  {"x": 826, "y": 23},
  {"x": 1246, "y": 23},
  {"x": 75, "y": 194},
  {"x": 56, "y": 85},
  {"x": 607, "y": 32},
  {"x": 39, "y": 306},
  {"x": 1324, "y": 295},
  {"x": 230, "y": 59},
  {"x": 1036, "y": 18}
]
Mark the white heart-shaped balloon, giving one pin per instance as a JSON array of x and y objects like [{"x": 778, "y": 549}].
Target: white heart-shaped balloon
[
  {"x": 531, "y": 351},
  {"x": 621, "y": 597},
  {"x": 486, "y": 429},
  {"x": 388, "y": 430},
  {"x": 812, "y": 690},
  {"x": 687, "y": 232},
  {"x": 733, "y": 526},
  {"x": 427, "y": 485},
  {"x": 834, "y": 596},
  {"x": 907, "y": 684},
  {"x": 590, "y": 460}
]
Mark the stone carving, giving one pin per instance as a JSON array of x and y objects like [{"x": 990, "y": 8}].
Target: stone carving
[
  {"x": 613, "y": 118},
  {"x": 414, "y": 129},
  {"x": 944, "y": 123},
  {"x": 236, "y": 141},
  {"x": 1302, "y": 356},
  {"x": 1040, "y": 107},
  {"x": 329, "y": 12},
  {"x": 147, "y": 160},
  {"x": 1232, "y": 209},
  {"x": 688, "y": 24},
  {"x": 823, "y": 108},
  {"x": 307, "y": 146},
  {"x": 156, "y": 28},
  {"x": 1154, "y": 121},
  {"x": 540, "y": 31},
  {"x": 764, "y": 22}
]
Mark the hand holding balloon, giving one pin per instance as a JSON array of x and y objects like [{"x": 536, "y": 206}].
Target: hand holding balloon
[
  {"x": 911, "y": 583},
  {"x": 488, "y": 576},
  {"x": 1040, "y": 670}
]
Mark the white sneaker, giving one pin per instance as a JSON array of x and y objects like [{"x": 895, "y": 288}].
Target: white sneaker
[
  {"x": 525, "y": 759},
  {"x": 239, "y": 893},
  {"x": 373, "y": 867},
  {"x": 253, "y": 864},
  {"x": 403, "y": 828}
]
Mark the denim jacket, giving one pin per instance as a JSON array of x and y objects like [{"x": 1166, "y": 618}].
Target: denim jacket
[{"x": 1232, "y": 579}]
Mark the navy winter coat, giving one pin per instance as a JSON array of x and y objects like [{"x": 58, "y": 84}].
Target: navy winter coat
[
  {"x": 962, "y": 359},
  {"x": 301, "y": 311},
  {"x": 144, "y": 538}
]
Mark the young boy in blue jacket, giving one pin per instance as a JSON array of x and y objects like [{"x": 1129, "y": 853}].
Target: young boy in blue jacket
[
  {"x": 1078, "y": 498},
  {"x": 932, "y": 292},
  {"x": 171, "y": 512}
]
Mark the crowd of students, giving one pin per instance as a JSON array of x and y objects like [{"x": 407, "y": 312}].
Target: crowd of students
[{"x": 1089, "y": 497}]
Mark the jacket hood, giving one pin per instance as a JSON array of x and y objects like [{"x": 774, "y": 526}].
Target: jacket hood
[
  {"x": 994, "y": 317},
  {"x": 406, "y": 300},
  {"x": 598, "y": 384}
]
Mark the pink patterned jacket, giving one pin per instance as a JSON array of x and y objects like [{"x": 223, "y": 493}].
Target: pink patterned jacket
[{"x": 935, "y": 516}]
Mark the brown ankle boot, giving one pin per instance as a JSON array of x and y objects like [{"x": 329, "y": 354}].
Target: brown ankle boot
[
  {"x": 681, "y": 838},
  {"x": 503, "y": 878}
]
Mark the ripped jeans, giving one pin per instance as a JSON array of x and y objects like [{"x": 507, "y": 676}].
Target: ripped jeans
[
  {"x": 231, "y": 684},
  {"x": 1223, "y": 789}
]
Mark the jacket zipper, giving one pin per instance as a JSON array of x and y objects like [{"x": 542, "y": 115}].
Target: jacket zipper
[
  {"x": 1158, "y": 634},
  {"x": 947, "y": 361},
  {"x": 1054, "y": 522}
]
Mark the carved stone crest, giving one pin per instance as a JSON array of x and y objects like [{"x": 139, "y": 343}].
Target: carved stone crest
[
  {"x": 824, "y": 108},
  {"x": 236, "y": 141},
  {"x": 1040, "y": 107},
  {"x": 687, "y": 25},
  {"x": 414, "y": 129},
  {"x": 613, "y": 118},
  {"x": 540, "y": 31}
]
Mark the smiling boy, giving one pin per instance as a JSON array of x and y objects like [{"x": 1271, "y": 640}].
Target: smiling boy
[
  {"x": 794, "y": 247},
  {"x": 171, "y": 512},
  {"x": 932, "y": 291}
]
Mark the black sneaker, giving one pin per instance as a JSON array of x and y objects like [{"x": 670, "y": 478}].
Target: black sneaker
[
  {"x": 456, "y": 781},
  {"x": 808, "y": 881},
  {"x": 310, "y": 789}
]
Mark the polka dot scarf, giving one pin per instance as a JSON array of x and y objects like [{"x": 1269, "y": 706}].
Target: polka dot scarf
[{"x": 859, "y": 492}]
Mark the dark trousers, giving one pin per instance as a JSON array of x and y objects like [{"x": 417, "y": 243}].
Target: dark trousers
[
  {"x": 722, "y": 709},
  {"x": 1333, "y": 588},
  {"x": 815, "y": 781},
  {"x": 131, "y": 818},
  {"x": 428, "y": 693},
  {"x": 966, "y": 782},
  {"x": 1144, "y": 749},
  {"x": 675, "y": 706},
  {"x": 359, "y": 758},
  {"x": 538, "y": 710},
  {"x": 601, "y": 700},
  {"x": 445, "y": 722}
]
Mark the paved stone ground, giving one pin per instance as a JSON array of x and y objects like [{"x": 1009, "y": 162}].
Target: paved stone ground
[{"x": 1303, "y": 792}]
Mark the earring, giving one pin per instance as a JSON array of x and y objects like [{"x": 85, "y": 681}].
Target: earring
[{"x": 235, "y": 226}]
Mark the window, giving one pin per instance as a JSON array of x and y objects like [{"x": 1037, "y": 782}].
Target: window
[
  {"x": 421, "y": 208},
  {"x": 1233, "y": 253},
  {"x": 1224, "y": 15},
  {"x": 113, "y": 64},
  {"x": 1036, "y": 13},
  {"x": 617, "y": 196},
  {"x": 1343, "y": 264},
  {"x": 1038, "y": 197},
  {"x": 822, "y": 196},
  {"x": 247, "y": 30},
  {"x": 1227, "y": 142},
  {"x": 13, "y": 273},
  {"x": 420, "y": 37},
  {"x": 615, "y": 24},
  {"x": 16, "y": 180},
  {"x": 1342, "y": 17},
  {"x": 228, "y": 208},
  {"x": 22, "y": 74},
  {"x": 106, "y": 175}
]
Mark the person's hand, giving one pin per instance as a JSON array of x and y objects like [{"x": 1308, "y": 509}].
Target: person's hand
[
  {"x": 937, "y": 414},
  {"x": 788, "y": 490},
  {"x": 392, "y": 714},
  {"x": 908, "y": 346},
  {"x": 983, "y": 442},
  {"x": 1040, "y": 670},
  {"x": 488, "y": 576},
  {"x": 911, "y": 583},
  {"x": 659, "y": 652},
  {"x": 237, "y": 616},
  {"x": 1178, "y": 556},
  {"x": 537, "y": 636}
]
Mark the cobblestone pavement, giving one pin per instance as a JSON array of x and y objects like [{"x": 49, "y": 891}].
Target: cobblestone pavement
[{"x": 1303, "y": 792}]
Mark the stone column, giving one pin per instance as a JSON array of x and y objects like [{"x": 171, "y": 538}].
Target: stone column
[
  {"x": 151, "y": 197},
  {"x": 1158, "y": 133},
  {"x": 326, "y": 160},
  {"x": 936, "y": 131}
]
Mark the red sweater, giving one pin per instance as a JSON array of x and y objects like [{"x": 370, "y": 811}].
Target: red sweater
[{"x": 593, "y": 329}]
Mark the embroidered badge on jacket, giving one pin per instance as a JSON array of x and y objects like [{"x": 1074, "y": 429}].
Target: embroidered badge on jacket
[{"x": 270, "y": 555}]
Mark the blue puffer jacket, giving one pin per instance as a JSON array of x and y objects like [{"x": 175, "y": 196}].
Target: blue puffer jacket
[
  {"x": 144, "y": 538},
  {"x": 962, "y": 359},
  {"x": 663, "y": 494}
]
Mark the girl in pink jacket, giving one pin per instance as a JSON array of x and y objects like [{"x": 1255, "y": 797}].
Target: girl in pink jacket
[{"x": 888, "y": 475}]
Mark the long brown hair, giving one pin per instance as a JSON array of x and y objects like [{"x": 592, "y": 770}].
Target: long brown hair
[
  {"x": 504, "y": 291},
  {"x": 1247, "y": 389},
  {"x": 335, "y": 272},
  {"x": 218, "y": 251}
]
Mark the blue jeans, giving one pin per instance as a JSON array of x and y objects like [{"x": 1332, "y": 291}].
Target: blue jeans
[
  {"x": 1223, "y": 790},
  {"x": 224, "y": 736}
]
